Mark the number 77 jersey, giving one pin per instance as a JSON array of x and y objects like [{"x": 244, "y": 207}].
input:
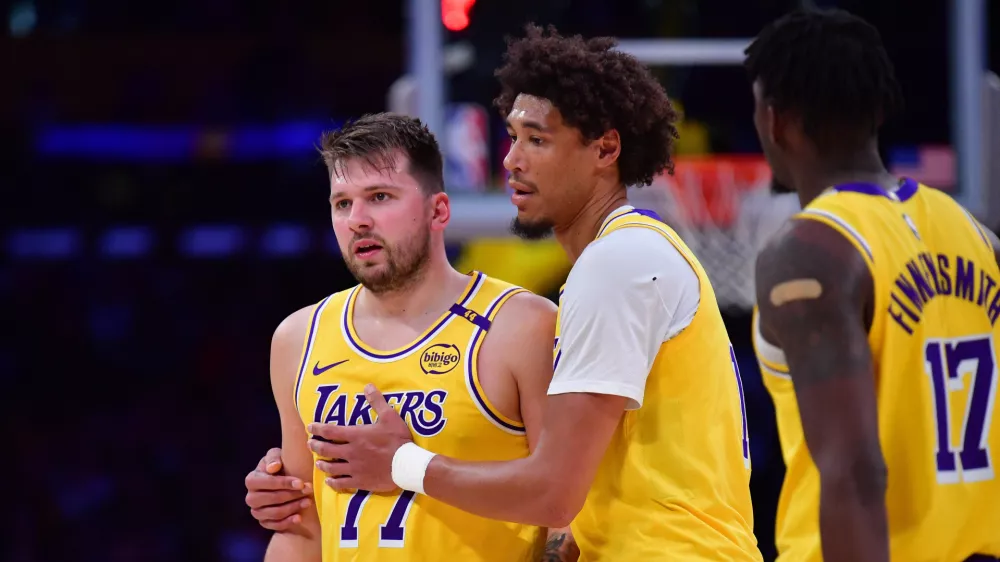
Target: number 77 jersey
[
  {"x": 934, "y": 340},
  {"x": 433, "y": 382}
]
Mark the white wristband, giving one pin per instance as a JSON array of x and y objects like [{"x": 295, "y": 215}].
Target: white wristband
[{"x": 409, "y": 464}]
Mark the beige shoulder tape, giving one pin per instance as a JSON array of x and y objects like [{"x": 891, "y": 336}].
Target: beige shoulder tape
[{"x": 795, "y": 290}]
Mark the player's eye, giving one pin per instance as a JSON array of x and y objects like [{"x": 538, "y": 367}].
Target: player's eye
[
  {"x": 341, "y": 204},
  {"x": 535, "y": 141},
  {"x": 380, "y": 196}
]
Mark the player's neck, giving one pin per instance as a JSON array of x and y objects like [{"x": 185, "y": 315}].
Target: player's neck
[
  {"x": 862, "y": 166},
  {"x": 575, "y": 235},
  {"x": 436, "y": 288}
]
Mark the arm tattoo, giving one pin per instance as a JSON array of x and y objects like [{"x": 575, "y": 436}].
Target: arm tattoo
[
  {"x": 560, "y": 547},
  {"x": 553, "y": 546}
]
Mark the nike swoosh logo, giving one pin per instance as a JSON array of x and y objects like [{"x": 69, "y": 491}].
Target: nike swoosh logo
[{"x": 318, "y": 371}]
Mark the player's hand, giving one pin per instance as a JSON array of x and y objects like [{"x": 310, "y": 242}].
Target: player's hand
[
  {"x": 276, "y": 500},
  {"x": 363, "y": 452}
]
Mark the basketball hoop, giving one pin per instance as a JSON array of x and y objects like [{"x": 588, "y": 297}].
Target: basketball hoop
[{"x": 723, "y": 208}]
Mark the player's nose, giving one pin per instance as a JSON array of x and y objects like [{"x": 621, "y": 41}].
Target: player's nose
[
  {"x": 514, "y": 161},
  {"x": 360, "y": 220}
]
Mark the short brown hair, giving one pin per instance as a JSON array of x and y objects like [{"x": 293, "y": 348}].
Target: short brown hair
[{"x": 375, "y": 138}]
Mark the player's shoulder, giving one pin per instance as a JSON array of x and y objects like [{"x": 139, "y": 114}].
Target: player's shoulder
[
  {"x": 812, "y": 259},
  {"x": 523, "y": 328},
  {"x": 522, "y": 319},
  {"x": 521, "y": 309},
  {"x": 292, "y": 330},
  {"x": 629, "y": 251},
  {"x": 628, "y": 263}
]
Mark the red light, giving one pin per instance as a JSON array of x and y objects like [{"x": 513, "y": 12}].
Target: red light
[{"x": 455, "y": 14}]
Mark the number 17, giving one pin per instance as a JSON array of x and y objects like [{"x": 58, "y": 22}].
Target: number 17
[{"x": 947, "y": 360}]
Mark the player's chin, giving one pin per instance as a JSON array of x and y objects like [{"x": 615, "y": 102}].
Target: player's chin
[{"x": 530, "y": 227}]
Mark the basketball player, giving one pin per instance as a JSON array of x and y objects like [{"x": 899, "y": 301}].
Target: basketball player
[
  {"x": 876, "y": 323},
  {"x": 465, "y": 358},
  {"x": 643, "y": 445}
]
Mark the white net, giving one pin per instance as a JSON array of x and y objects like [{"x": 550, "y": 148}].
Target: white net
[{"x": 724, "y": 210}]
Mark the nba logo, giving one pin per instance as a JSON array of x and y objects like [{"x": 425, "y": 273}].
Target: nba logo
[
  {"x": 913, "y": 227},
  {"x": 466, "y": 148}
]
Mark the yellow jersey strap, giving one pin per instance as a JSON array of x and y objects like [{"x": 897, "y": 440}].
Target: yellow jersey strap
[
  {"x": 310, "y": 339},
  {"x": 979, "y": 228},
  {"x": 627, "y": 212}
]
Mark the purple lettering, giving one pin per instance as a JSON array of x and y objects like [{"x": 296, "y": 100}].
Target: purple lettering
[
  {"x": 985, "y": 287},
  {"x": 338, "y": 411},
  {"x": 963, "y": 278},
  {"x": 434, "y": 404},
  {"x": 324, "y": 392},
  {"x": 392, "y": 398},
  {"x": 349, "y": 530},
  {"x": 931, "y": 271},
  {"x": 362, "y": 411},
  {"x": 975, "y": 356},
  {"x": 949, "y": 360},
  {"x": 391, "y": 534},
  {"x": 910, "y": 291},
  {"x": 944, "y": 457},
  {"x": 899, "y": 319},
  {"x": 913, "y": 316},
  {"x": 926, "y": 293},
  {"x": 945, "y": 288},
  {"x": 408, "y": 411},
  {"x": 434, "y": 425},
  {"x": 994, "y": 308}
]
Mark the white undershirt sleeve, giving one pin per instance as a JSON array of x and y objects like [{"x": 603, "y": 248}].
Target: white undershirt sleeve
[{"x": 627, "y": 293}]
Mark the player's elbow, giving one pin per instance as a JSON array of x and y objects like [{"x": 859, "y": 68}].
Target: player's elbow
[
  {"x": 560, "y": 505},
  {"x": 862, "y": 476},
  {"x": 558, "y": 514}
]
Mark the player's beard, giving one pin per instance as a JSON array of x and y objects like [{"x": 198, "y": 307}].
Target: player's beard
[
  {"x": 525, "y": 230},
  {"x": 403, "y": 265}
]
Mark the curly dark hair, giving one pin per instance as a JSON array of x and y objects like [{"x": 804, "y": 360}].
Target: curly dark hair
[
  {"x": 829, "y": 66},
  {"x": 376, "y": 137},
  {"x": 596, "y": 89}
]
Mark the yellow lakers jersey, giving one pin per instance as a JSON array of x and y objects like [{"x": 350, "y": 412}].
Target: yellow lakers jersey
[
  {"x": 674, "y": 482},
  {"x": 434, "y": 384},
  {"x": 933, "y": 341}
]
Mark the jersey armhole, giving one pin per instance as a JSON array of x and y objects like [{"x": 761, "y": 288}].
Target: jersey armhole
[
  {"x": 846, "y": 230},
  {"x": 980, "y": 229},
  {"x": 307, "y": 344},
  {"x": 770, "y": 357},
  {"x": 476, "y": 391}
]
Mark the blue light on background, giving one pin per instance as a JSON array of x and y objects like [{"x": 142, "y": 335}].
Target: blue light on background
[
  {"x": 181, "y": 143},
  {"x": 202, "y": 242}
]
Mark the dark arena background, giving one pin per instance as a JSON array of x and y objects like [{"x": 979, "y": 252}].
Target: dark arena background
[{"x": 164, "y": 207}]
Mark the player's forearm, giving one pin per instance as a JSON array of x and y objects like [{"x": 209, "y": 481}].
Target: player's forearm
[
  {"x": 292, "y": 546},
  {"x": 508, "y": 491},
  {"x": 853, "y": 525}
]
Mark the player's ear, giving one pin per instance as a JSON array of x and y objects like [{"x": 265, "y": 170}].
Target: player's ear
[
  {"x": 440, "y": 210},
  {"x": 608, "y": 147},
  {"x": 784, "y": 127},
  {"x": 771, "y": 119}
]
